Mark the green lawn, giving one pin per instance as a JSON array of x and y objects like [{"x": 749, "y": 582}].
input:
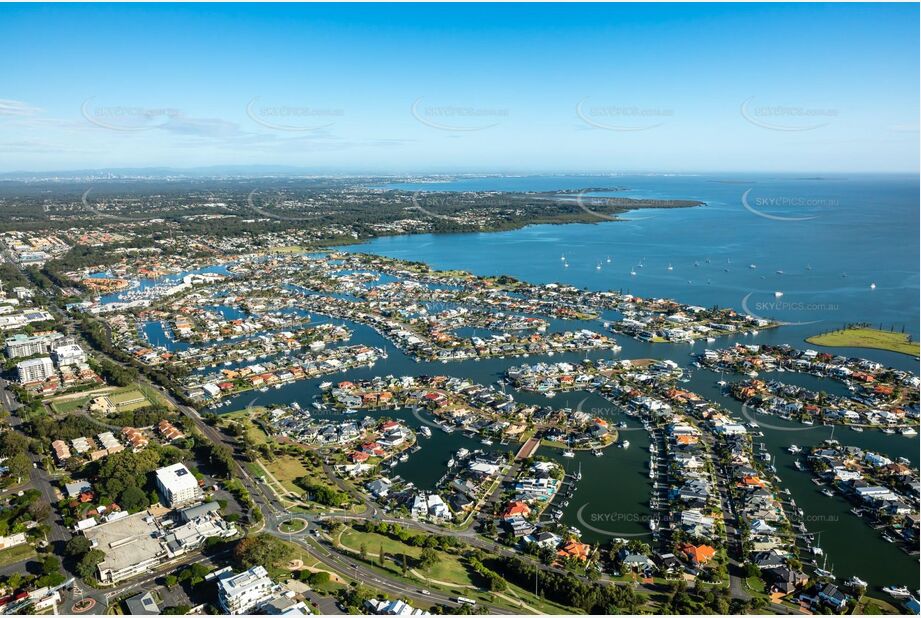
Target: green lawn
[
  {"x": 449, "y": 568},
  {"x": 16, "y": 554},
  {"x": 867, "y": 338},
  {"x": 286, "y": 469}
]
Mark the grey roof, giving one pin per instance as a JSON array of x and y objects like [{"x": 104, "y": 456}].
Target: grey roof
[
  {"x": 194, "y": 512},
  {"x": 142, "y": 605}
]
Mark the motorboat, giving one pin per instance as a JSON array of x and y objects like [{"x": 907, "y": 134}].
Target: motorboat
[{"x": 899, "y": 592}]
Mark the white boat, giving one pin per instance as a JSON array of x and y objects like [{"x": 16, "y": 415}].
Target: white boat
[
  {"x": 857, "y": 429},
  {"x": 326, "y": 386},
  {"x": 798, "y": 465},
  {"x": 909, "y": 432},
  {"x": 889, "y": 431},
  {"x": 404, "y": 457},
  {"x": 794, "y": 449},
  {"x": 778, "y": 294},
  {"x": 670, "y": 267},
  {"x": 425, "y": 431},
  {"x": 752, "y": 266},
  {"x": 872, "y": 286},
  {"x": 828, "y": 492},
  {"x": 633, "y": 273},
  {"x": 625, "y": 444},
  {"x": 486, "y": 441},
  {"x": 721, "y": 383},
  {"x": 899, "y": 592},
  {"x": 653, "y": 525},
  {"x": 451, "y": 462},
  {"x": 569, "y": 453}
]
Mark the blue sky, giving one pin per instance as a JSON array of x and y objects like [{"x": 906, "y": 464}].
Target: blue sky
[{"x": 384, "y": 88}]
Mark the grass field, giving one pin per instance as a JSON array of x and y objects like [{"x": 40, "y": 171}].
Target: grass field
[
  {"x": 869, "y": 606},
  {"x": 118, "y": 396},
  {"x": 16, "y": 554},
  {"x": 286, "y": 469},
  {"x": 867, "y": 338},
  {"x": 449, "y": 568}
]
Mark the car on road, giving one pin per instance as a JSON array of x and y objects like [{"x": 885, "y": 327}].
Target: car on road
[{"x": 425, "y": 592}]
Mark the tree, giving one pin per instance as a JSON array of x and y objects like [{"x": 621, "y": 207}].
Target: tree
[
  {"x": 363, "y": 551},
  {"x": 40, "y": 510},
  {"x": 381, "y": 556},
  {"x": 133, "y": 499},
  {"x": 318, "y": 579},
  {"x": 77, "y": 546},
  {"x": 170, "y": 581},
  {"x": 19, "y": 465},
  {"x": 428, "y": 558},
  {"x": 86, "y": 568},
  {"x": 261, "y": 549}
]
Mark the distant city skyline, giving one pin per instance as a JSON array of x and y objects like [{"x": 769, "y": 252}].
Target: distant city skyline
[{"x": 422, "y": 88}]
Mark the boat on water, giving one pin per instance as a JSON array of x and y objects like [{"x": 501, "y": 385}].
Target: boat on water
[
  {"x": 326, "y": 386},
  {"x": 486, "y": 441},
  {"x": 909, "y": 432},
  {"x": 550, "y": 394},
  {"x": 857, "y": 429},
  {"x": 828, "y": 492},
  {"x": 778, "y": 294},
  {"x": 721, "y": 383},
  {"x": 425, "y": 431},
  {"x": 824, "y": 573},
  {"x": 888, "y": 538},
  {"x": 569, "y": 453},
  {"x": 794, "y": 449},
  {"x": 598, "y": 452},
  {"x": 798, "y": 465},
  {"x": 451, "y": 462},
  {"x": 462, "y": 453},
  {"x": 404, "y": 457},
  {"x": 857, "y": 512},
  {"x": 625, "y": 444},
  {"x": 899, "y": 592},
  {"x": 889, "y": 431}
]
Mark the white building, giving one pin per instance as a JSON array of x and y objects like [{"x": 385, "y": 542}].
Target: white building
[
  {"x": 178, "y": 486},
  {"x": 242, "y": 593},
  {"x": 35, "y": 370},
  {"x": 24, "y": 345},
  {"x": 71, "y": 354}
]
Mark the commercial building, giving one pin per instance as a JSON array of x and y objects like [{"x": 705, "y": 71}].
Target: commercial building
[
  {"x": 178, "y": 486},
  {"x": 135, "y": 544}
]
